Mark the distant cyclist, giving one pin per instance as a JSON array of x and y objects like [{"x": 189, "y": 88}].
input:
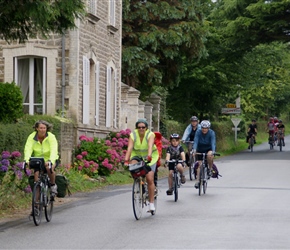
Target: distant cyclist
[
  {"x": 271, "y": 128},
  {"x": 204, "y": 142},
  {"x": 281, "y": 127},
  {"x": 174, "y": 152},
  {"x": 252, "y": 130},
  {"x": 189, "y": 134}
]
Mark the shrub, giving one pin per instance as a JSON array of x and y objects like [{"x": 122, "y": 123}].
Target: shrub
[
  {"x": 11, "y": 102},
  {"x": 98, "y": 157}
]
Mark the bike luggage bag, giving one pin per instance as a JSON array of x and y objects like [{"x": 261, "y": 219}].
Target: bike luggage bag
[
  {"x": 62, "y": 186},
  {"x": 138, "y": 169}
]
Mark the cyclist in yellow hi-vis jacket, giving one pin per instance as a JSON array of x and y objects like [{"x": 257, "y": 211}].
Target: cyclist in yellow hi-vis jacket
[
  {"x": 141, "y": 144},
  {"x": 42, "y": 143}
]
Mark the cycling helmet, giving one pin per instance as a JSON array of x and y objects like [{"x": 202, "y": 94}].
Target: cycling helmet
[
  {"x": 280, "y": 121},
  {"x": 193, "y": 118},
  {"x": 253, "y": 120},
  {"x": 174, "y": 136},
  {"x": 205, "y": 124}
]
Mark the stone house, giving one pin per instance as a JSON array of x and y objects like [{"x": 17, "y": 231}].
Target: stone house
[{"x": 77, "y": 75}]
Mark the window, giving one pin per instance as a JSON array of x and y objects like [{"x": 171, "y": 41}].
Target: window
[
  {"x": 30, "y": 76},
  {"x": 112, "y": 17}
]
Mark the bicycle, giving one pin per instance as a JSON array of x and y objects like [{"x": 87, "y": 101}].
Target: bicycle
[
  {"x": 191, "y": 161},
  {"x": 140, "y": 194},
  {"x": 204, "y": 175},
  {"x": 42, "y": 197},
  {"x": 252, "y": 142},
  {"x": 280, "y": 139},
  {"x": 271, "y": 141},
  {"x": 176, "y": 180}
]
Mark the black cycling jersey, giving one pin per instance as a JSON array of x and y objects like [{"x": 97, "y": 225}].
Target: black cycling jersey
[
  {"x": 279, "y": 126},
  {"x": 252, "y": 128},
  {"x": 192, "y": 134}
]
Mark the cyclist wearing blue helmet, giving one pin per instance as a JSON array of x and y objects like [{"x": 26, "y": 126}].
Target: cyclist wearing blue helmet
[{"x": 204, "y": 142}]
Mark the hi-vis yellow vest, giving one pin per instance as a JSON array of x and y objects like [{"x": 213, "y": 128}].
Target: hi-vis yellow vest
[{"x": 141, "y": 149}]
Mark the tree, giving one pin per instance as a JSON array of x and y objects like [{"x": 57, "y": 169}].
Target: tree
[
  {"x": 156, "y": 37},
  {"x": 247, "y": 23},
  {"x": 24, "y": 19}
]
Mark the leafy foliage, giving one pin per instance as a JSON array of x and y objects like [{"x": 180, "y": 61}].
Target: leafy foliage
[
  {"x": 20, "y": 20},
  {"x": 10, "y": 102},
  {"x": 156, "y": 36}
]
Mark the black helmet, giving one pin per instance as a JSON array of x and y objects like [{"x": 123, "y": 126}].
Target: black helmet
[
  {"x": 253, "y": 120},
  {"x": 174, "y": 136},
  {"x": 193, "y": 118},
  {"x": 280, "y": 121}
]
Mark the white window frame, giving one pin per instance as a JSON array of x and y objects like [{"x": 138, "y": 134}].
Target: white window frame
[
  {"x": 108, "y": 97},
  {"x": 31, "y": 102}
]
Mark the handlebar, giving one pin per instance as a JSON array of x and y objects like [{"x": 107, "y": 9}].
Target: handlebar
[
  {"x": 205, "y": 154},
  {"x": 174, "y": 160},
  {"x": 188, "y": 142},
  {"x": 49, "y": 166}
]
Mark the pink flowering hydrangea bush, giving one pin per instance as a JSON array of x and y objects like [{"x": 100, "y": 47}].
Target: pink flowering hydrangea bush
[
  {"x": 98, "y": 157},
  {"x": 12, "y": 176}
]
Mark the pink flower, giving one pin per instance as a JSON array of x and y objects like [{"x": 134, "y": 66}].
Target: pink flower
[
  {"x": 118, "y": 135},
  {"x": 79, "y": 157},
  {"x": 80, "y": 168},
  {"x": 108, "y": 143},
  {"x": 114, "y": 139},
  {"x": 85, "y": 153}
]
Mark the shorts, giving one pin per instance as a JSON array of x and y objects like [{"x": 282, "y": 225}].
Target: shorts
[{"x": 199, "y": 157}]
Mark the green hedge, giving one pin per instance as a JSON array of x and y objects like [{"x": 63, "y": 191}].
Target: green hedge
[
  {"x": 11, "y": 102},
  {"x": 13, "y": 136}
]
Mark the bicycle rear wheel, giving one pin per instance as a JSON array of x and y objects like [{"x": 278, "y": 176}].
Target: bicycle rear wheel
[
  {"x": 137, "y": 199},
  {"x": 48, "y": 209},
  {"x": 37, "y": 205},
  {"x": 175, "y": 183}
]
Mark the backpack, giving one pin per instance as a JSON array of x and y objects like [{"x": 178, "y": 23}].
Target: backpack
[
  {"x": 62, "y": 186},
  {"x": 157, "y": 142},
  {"x": 215, "y": 172}
]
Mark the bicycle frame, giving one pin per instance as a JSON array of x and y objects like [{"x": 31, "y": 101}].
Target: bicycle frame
[
  {"x": 42, "y": 196},
  {"x": 140, "y": 196},
  {"x": 203, "y": 173},
  {"x": 176, "y": 181}
]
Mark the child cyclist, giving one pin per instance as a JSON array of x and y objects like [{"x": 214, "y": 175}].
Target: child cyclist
[{"x": 174, "y": 151}]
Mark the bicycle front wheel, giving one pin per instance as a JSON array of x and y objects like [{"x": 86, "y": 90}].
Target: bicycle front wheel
[
  {"x": 175, "y": 180},
  {"x": 200, "y": 177},
  {"x": 48, "y": 208},
  {"x": 205, "y": 178},
  {"x": 252, "y": 144},
  {"x": 191, "y": 165},
  {"x": 137, "y": 199},
  {"x": 280, "y": 143},
  {"x": 37, "y": 205}
]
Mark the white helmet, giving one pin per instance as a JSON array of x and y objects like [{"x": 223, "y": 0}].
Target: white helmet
[{"x": 205, "y": 124}]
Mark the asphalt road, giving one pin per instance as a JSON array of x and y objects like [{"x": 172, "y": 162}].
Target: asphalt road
[{"x": 247, "y": 208}]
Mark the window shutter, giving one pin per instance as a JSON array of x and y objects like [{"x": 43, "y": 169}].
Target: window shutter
[
  {"x": 112, "y": 12},
  {"x": 115, "y": 99},
  {"x": 108, "y": 98},
  {"x": 97, "y": 77},
  {"x": 86, "y": 90}
]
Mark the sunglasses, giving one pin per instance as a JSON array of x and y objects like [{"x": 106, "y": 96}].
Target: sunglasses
[{"x": 141, "y": 127}]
